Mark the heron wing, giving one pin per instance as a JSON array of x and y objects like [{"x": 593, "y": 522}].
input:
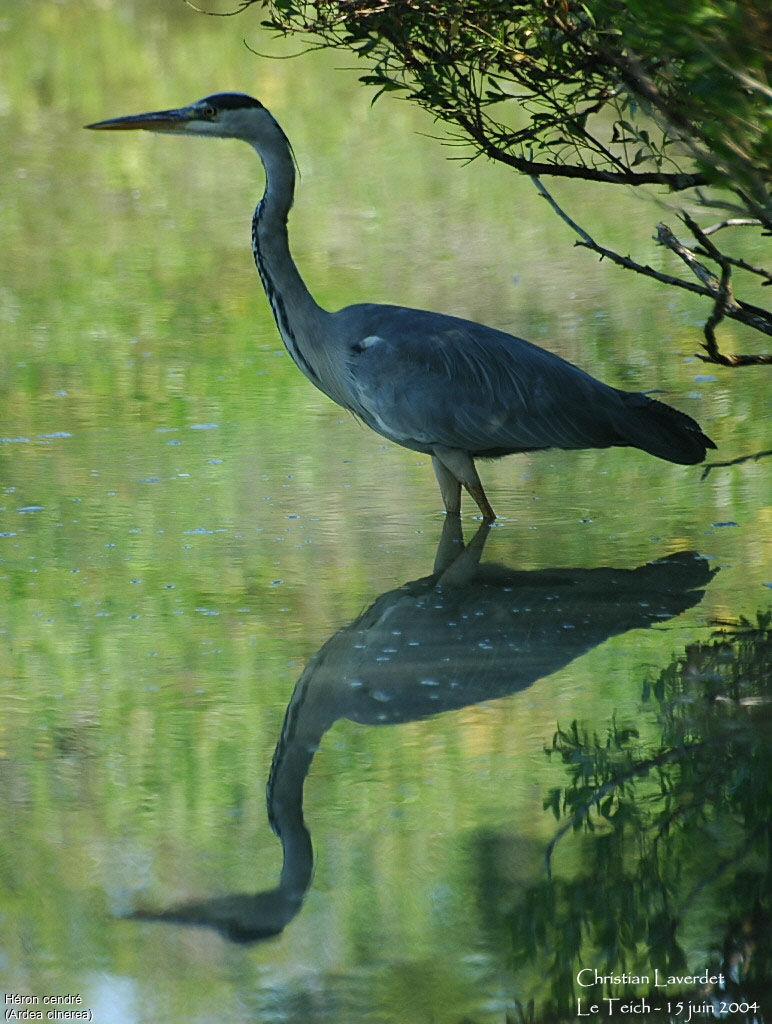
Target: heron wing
[{"x": 424, "y": 380}]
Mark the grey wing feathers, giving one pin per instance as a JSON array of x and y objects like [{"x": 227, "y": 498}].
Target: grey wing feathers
[{"x": 425, "y": 380}]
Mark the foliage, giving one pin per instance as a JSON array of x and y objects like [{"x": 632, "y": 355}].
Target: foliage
[
  {"x": 582, "y": 73},
  {"x": 611, "y": 91},
  {"x": 674, "y": 830}
]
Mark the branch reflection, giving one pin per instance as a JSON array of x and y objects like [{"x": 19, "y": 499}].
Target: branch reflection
[{"x": 468, "y": 633}]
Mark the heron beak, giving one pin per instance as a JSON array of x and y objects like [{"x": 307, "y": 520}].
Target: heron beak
[{"x": 157, "y": 121}]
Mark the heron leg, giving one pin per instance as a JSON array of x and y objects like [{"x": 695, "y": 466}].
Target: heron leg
[
  {"x": 456, "y": 466},
  {"x": 450, "y": 487},
  {"x": 450, "y": 545},
  {"x": 458, "y": 567}
]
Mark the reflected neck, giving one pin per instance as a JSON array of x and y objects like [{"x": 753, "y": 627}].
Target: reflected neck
[{"x": 298, "y": 742}]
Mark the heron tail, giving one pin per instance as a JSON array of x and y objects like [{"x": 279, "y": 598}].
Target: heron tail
[{"x": 661, "y": 430}]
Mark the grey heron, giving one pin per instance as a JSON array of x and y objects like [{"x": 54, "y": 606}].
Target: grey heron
[{"x": 450, "y": 388}]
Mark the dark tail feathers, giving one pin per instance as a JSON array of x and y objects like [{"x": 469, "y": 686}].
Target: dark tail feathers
[{"x": 660, "y": 430}]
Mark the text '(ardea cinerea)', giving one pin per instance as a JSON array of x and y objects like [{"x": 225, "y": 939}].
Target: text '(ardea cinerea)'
[{"x": 438, "y": 384}]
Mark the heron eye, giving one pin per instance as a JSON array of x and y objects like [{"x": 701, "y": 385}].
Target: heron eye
[{"x": 210, "y": 112}]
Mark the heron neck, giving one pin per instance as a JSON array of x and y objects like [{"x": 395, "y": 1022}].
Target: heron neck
[{"x": 296, "y": 313}]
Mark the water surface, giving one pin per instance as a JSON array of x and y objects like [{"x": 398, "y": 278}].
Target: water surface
[{"x": 207, "y": 567}]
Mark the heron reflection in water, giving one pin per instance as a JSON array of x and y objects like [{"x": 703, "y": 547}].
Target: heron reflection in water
[
  {"x": 468, "y": 633},
  {"x": 451, "y": 388}
]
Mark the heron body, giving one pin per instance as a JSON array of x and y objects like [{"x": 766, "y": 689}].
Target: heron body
[{"x": 452, "y": 388}]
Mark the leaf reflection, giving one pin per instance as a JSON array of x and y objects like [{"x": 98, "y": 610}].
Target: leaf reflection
[{"x": 673, "y": 839}]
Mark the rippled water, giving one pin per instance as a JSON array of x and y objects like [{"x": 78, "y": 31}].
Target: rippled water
[{"x": 207, "y": 569}]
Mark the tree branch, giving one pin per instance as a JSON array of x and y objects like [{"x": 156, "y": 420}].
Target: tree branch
[
  {"x": 734, "y": 462},
  {"x": 666, "y": 237},
  {"x": 588, "y": 242},
  {"x": 712, "y": 251},
  {"x": 752, "y": 316},
  {"x": 676, "y": 182},
  {"x": 732, "y": 222},
  {"x": 593, "y": 97},
  {"x": 724, "y": 304},
  {"x": 742, "y": 264}
]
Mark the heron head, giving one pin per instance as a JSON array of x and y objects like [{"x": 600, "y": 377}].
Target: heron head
[{"x": 224, "y": 114}]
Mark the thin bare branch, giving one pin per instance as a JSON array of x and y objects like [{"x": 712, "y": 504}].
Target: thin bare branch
[
  {"x": 735, "y": 462},
  {"x": 719, "y": 290},
  {"x": 588, "y": 242},
  {"x": 741, "y": 264},
  {"x": 724, "y": 302},
  {"x": 732, "y": 222},
  {"x": 562, "y": 214},
  {"x": 712, "y": 251},
  {"x": 715, "y": 318},
  {"x": 736, "y": 359},
  {"x": 666, "y": 237}
]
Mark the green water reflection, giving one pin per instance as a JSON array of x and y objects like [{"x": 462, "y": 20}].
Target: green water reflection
[
  {"x": 464, "y": 635},
  {"x": 186, "y": 527}
]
